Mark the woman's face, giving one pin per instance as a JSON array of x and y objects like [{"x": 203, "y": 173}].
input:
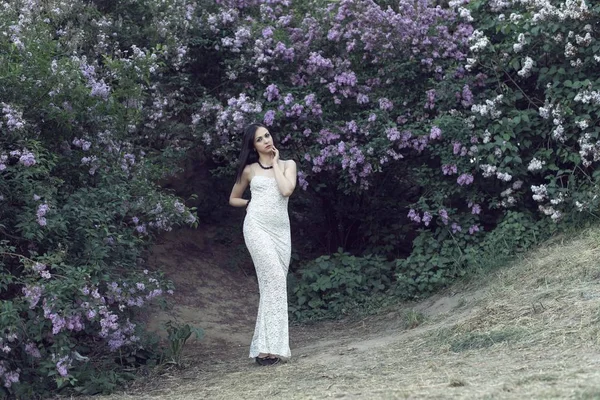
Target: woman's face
[{"x": 263, "y": 142}]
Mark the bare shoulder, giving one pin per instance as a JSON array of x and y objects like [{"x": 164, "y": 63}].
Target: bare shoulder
[
  {"x": 289, "y": 165},
  {"x": 247, "y": 173}
]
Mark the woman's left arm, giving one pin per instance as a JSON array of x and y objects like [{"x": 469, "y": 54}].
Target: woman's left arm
[{"x": 286, "y": 179}]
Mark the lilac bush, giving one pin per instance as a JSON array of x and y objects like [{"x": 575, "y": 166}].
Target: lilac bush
[
  {"x": 347, "y": 89},
  {"x": 521, "y": 138},
  {"x": 333, "y": 85},
  {"x": 433, "y": 108},
  {"x": 82, "y": 144}
]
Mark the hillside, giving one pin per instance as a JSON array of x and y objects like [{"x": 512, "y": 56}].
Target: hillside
[{"x": 529, "y": 330}]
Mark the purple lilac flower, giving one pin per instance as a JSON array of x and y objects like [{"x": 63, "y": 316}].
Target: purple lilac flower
[
  {"x": 88, "y": 71},
  {"x": 73, "y": 323},
  {"x": 467, "y": 96},
  {"x": 414, "y": 216},
  {"x": 10, "y": 377},
  {"x": 310, "y": 99},
  {"x": 435, "y": 133},
  {"x": 352, "y": 126},
  {"x": 456, "y": 147},
  {"x": 316, "y": 62},
  {"x": 362, "y": 98},
  {"x": 288, "y": 99},
  {"x": 287, "y": 54},
  {"x": 269, "y": 117},
  {"x": 449, "y": 169},
  {"x": 303, "y": 184},
  {"x": 346, "y": 78},
  {"x": 272, "y": 92},
  {"x": 427, "y": 218},
  {"x": 14, "y": 118},
  {"x": 88, "y": 160},
  {"x": 296, "y": 111},
  {"x": 115, "y": 343},
  {"x": 108, "y": 323},
  {"x": 32, "y": 350},
  {"x": 456, "y": 228},
  {"x": 38, "y": 267},
  {"x": 179, "y": 207},
  {"x": 444, "y": 214},
  {"x": 63, "y": 365},
  {"x": 100, "y": 89},
  {"x": 392, "y": 134},
  {"x": 58, "y": 322},
  {"x": 267, "y": 32},
  {"x": 129, "y": 159},
  {"x": 334, "y": 35},
  {"x": 465, "y": 179},
  {"x": 41, "y": 212},
  {"x": 385, "y": 104},
  {"x": 473, "y": 229},
  {"x": 27, "y": 158},
  {"x": 476, "y": 209},
  {"x": 90, "y": 314},
  {"x": 430, "y": 104},
  {"x": 33, "y": 294},
  {"x": 154, "y": 293}
]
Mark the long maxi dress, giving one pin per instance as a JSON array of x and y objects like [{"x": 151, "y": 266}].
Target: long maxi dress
[{"x": 267, "y": 236}]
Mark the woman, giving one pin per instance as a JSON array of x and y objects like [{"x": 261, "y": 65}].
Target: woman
[{"x": 267, "y": 236}]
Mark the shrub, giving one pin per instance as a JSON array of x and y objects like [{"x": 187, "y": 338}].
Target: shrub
[
  {"x": 334, "y": 285},
  {"x": 78, "y": 202}
]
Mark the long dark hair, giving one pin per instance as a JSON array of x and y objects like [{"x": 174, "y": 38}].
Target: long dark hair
[{"x": 247, "y": 154}]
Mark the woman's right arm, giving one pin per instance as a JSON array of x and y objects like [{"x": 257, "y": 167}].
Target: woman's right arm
[{"x": 235, "y": 198}]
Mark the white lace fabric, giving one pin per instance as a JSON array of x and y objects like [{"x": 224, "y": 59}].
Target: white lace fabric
[{"x": 267, "y": 236}]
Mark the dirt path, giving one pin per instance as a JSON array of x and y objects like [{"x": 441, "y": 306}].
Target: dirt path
[
  {"x": 531, "y": 331},
  {"x": 214, "y": 286}
]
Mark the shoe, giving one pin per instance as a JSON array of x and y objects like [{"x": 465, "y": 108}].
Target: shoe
[{"x": 264, "y": 361}]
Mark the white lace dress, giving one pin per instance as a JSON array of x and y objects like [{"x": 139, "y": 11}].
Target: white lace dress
[{"x": 267, "y": 236}]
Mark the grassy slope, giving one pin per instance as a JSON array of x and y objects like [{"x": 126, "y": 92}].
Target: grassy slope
[{"x": 529, "y": 330}]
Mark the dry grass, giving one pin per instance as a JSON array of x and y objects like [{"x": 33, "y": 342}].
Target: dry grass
[{"x": 528, "y": 331}]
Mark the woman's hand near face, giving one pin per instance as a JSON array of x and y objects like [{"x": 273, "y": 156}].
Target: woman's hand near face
[{"x": 275, "y": 155}]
